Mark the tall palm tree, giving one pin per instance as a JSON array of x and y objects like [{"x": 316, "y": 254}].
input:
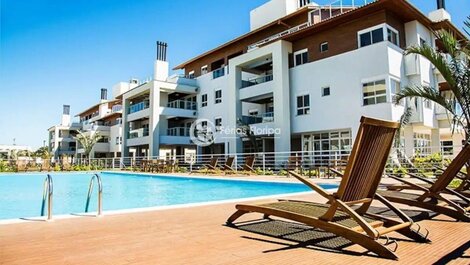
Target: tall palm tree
[
  {"x": 88, "y": 141},
  {"x": 452, "y": 59}
]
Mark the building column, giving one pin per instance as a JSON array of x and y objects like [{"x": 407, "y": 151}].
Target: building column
[
  {"x": 409, "y": 140},
  {"x": 234, "y": 108},
  {"x": 125, "y": 129},
  {"x": 457, "y": 139},
  {"x": 435, "y": 141},
  {"x": 154, "y": 123}
]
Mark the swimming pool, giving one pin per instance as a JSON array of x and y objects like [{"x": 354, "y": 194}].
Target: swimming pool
[{"x": 21, "y": 194}]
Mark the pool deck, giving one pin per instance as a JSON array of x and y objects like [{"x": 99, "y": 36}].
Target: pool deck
[{"x": 196, "y": 235}]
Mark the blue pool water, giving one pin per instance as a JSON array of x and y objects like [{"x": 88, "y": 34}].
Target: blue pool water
[{"x": 21, "y": 194}]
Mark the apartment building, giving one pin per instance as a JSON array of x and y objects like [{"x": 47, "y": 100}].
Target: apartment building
[
  {"x": 105, "y": 118},
  {"x": 61, "y": 139},
  {"x": 300, "y": 79},
  {"x": 311, "y": 71}
]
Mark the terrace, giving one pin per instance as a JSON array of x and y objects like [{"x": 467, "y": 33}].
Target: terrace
[{"x": 163, "y": 237}]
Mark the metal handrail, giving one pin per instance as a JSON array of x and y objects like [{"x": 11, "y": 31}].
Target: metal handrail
[
  {"x": 100, "y": 194},
  {"x": 47, "y": 195}
]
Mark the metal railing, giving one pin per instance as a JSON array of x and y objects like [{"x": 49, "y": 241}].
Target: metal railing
[
  {"x": 218, "y": 73},
  {"x": 138, "y": 133},
  {"x": 182, "y": 104},
  {"x": 138, "y": 107},
  {"x": 256, "y": 81},
  {"x": 47, "y": 195},
  {"x": 99, "y": 211},
  {"x": 316, "y": 15},
  {"x": 178, "y": 131},
  {"x": 261, "y": 118}
]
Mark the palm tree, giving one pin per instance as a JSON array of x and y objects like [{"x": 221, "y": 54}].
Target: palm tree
[
  {"x": 42, "y": 152},
  {"x": 88, "y": 141},
  {"x": 452, "y": 59}
]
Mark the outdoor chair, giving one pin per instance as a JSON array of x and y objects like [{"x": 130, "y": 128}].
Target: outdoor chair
[
  {"x": 430, "y": 197},
  {"x": 228, "y": 166},
  {"x": 249, "y": 164},
  {"x": 346, "y": 213}
]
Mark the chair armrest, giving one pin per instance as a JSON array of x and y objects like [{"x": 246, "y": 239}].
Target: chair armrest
[
  {"x": 421, "y": 178},
  {"x": 370, "y": 231},
  {"x": 392, "y": 207},
  {"x": 336, "y": 172},
  {"x": 313, "y": 186},
  {"x": 416, "y": 186}
]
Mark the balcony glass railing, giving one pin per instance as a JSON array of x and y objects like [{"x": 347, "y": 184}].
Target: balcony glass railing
[
  {"x": 116, "y": 108},
  {"x": 256, "y": 81},
  {"x": 182, "y": 104},
  {"x": 138, "y": 133},
  {"x": 218, "y": 73},
  {"x": 178, "y": 131},
  {"x": 138, "y": 107},
  {"x": 262, "y": 118}
]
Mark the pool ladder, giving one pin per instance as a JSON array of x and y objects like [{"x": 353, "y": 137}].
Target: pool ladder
[
  {"x": 47, "y": 195},
  {"x": 48, "y": 192},
  {"x": 100, "y": 194}
]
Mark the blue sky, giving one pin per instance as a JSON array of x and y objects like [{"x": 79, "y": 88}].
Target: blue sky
[{"x": 62, "y": 52}]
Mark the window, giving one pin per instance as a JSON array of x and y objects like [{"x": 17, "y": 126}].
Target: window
[
  {"x": 218, "y": 124},
  {"x": 447, "y": 148},
  {"x": 395, "y": 88},
  {"x": 324, "y": 47},
  {"x": 325, "y": 91},
  {"x": 427, "y": 103},
  {"x": 303, "y": 105},
  {"x": 218, "y": 96},
  {"x": 303, "y": 3},
  {"x": 327, "y": 146},
  {"x": 253, "y": 112},
  {"x": 204, "y": 70},
  {"x": 204, "y": 100},
  {"x": 371, "y": 37},
  {"x": 374, "y": 92},
  {"x": 118, "y": 140},
  {"x": 422, "y": 143},
  {"x": 301, "y": 57},
  {"x": 422, "y": 42},
  {"x": 191, "y": 75},
  {"x": 392, "y": 36}
]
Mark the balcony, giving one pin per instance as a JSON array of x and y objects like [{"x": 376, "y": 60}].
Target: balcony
[
  {"x": 116, "y": 108},
  {"x": 138, "y": 107},
  {"x": 182, "y": 104},
  {"x": 218, "y": 73},
  {"x": 138, "y": 133},
  {"x": 256, "y": 81},
  {"x": 176, "y": 136},
  {"x": 178, "y": 131},
  {"x": 262, "y": 118}
]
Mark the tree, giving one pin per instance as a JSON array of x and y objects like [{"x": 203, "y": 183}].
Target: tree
[
  {"x": 88, "y": 141},
  {"x": 42, "y": 152},
  {"x": 452, "y": 59}
]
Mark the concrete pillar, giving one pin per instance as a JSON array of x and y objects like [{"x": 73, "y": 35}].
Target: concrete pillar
[
  {"x": 125, "y": 128},
  {"x": 234, "y": 107},
  {"x": 154, "y": 123},
  {"x": 435, "y": 141},
  {"x": 457, "y": 139},
  {"x": 409, "y": 140}
]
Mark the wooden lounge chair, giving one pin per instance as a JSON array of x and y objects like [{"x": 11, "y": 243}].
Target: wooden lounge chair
[
  {"x": 249, "y": 163},
  {"x": 431, "y": 198},
  {"x": 228, "y": 166},
  {"x": 45, "y": 165},
  {"x": 346, "y": 212},
  {"x": 212, "y": 164},
  {"x": 463, "y": 188}
]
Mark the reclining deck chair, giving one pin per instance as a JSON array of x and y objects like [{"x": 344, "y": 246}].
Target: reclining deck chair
[
  {"x": 357, "y": 190},
  {"x": 430, "y": 197}
]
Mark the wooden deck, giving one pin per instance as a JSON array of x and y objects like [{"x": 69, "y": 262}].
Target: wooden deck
[{"x": 197, "y": 236}]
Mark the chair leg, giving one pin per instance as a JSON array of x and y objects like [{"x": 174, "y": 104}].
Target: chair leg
[{"x": 235, "y": 216}]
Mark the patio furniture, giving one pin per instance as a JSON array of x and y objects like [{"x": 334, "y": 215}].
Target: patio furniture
[
  {"x": 346, "y": 214},
  {"x": 249, "y": 163},
  {"x": 430, "y": 197},
  {"x": 212, "y": 164},
  {"x": 228, "y": 166}
]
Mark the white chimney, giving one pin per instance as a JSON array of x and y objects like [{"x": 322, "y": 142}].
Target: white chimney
[
  {"x": 441, "y": 13},
  {"x": 65, "y": 116},
  {"x": 161, "y": 69}
]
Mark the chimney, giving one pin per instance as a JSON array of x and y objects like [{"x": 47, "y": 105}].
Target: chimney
[
  {"x": 441, "y": 13},
  {"x": 441, "y": 4},
  {"x": 104, "y": 94},
  {"x": 65, "y": 116},
  {"x": 161, "y": 69}
]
